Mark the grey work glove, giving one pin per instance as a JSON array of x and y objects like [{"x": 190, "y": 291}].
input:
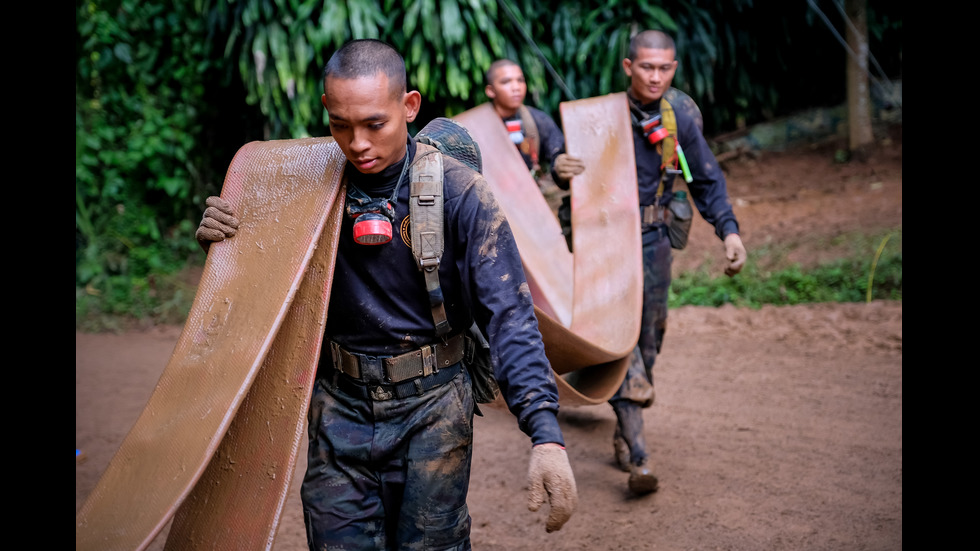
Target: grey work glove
[
  {"x": 550, "y": 476},
  {"x": 567, "y": 166},
  {"x": 735, "y": 253},
  {"x": 218, "y": 223}
]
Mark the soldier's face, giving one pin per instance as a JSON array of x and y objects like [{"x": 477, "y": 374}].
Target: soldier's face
[
  {"x": 650, "y": 73},
  {"x": 508, "y": 88},
  {"x": 368, "y": 120}
]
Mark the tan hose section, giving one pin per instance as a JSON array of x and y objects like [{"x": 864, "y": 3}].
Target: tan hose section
[
  {"x": 282, "y": 192},
  {"x": 587, "y": 304},
  {"x": 238, "y": 501}
]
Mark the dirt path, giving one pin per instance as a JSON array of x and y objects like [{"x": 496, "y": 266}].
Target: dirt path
[{"x": 776, "y": 429}]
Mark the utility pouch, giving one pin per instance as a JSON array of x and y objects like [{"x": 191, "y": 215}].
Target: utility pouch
[
  {"x": 679, "y": 223},
  {"x": 477, "y": 360}
]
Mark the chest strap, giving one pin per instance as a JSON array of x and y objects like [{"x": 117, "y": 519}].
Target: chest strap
[
  {"x": 667, "y": 146},
  {"x": 532, "y": 142}
]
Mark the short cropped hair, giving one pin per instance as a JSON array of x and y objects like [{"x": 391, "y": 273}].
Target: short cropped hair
[
  {"x": 654, "y": 40},
  {"x": 367, "y": 57},
  {"x": 497, "y": 65}
]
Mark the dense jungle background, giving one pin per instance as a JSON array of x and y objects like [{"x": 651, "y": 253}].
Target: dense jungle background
[{"x": 166, "y": 93}]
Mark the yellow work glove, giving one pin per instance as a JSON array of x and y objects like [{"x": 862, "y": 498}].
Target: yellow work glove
[
  {"x": 567, "y": 166},
  {"x": 218, "y": 223},
  {"x": 735, "y": 253},
  {"x": 550, "y": 476}
]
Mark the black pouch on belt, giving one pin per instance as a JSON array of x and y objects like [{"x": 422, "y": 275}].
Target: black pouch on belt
[
  {"x": 679, "y": 223},
  {"x": 477, "y": 361}
]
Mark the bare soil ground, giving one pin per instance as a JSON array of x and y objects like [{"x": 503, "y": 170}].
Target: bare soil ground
[{"x": 777, "y": 429}]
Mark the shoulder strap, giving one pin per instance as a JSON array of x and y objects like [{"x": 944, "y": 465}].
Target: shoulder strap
[
  {"x": 669, "y": 121},
  {"x": 668, "y": 154},
  {"x": 531, "y": 135},
  {"x": 425, "y": 219}
]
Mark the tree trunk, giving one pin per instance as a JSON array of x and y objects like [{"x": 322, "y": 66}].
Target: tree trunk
[{"x": 860, "y": 138}]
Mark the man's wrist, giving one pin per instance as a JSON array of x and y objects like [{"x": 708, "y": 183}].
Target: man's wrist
[{"x": 543, "y": 428}]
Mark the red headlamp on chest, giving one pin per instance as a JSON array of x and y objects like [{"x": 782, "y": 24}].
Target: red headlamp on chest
[
  {"x": 514, "y": 131},
  {"x": 653, "y": 130},
  {"x": 373, "y": 215},
  {"x": 372, "y": 228}
]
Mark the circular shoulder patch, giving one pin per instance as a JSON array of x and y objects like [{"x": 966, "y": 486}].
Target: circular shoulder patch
[{"x": 403, "y": 229}]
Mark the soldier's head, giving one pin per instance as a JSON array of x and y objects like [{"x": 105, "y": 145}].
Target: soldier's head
[
  {"x": 506, "y": 86},
  {"x": 368, "y": 104},
  {"x": 651, "y": 65}
]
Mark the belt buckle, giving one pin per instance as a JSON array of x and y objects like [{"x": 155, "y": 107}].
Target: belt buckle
[{"x": 380, "y": 393}]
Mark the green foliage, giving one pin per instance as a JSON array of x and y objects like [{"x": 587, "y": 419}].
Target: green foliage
[
  {"x": 740, "y": 66},
  {"x": 124, "y": 301},
  {"x": 278, "y": 47},
  {"x": 448, "y": 46},
  {"x": 586, "y": 44},
  {"x": 842, "y": 280},
  {"x": 734, "y": 62},
  {"x": 743, "y": 62},
  {"x": 138, "y": 96},
  {"x": 166, "y": 92},
  {"x": 281, "y": 51}
]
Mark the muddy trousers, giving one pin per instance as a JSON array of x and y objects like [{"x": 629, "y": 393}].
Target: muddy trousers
[
  {"x": 637, "y": 391},
  {"x": 391, "y": 474}
]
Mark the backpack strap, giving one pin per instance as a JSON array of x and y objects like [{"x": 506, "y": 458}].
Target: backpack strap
[
  {"x": 532, "y": 141},
  {"x": 668, "y": 146},
  {"x": 426, "y": 221}
]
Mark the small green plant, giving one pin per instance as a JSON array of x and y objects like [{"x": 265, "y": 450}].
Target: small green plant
[
  {"x": 124, "y": 301},
  {"x": 846, "y": 279}
]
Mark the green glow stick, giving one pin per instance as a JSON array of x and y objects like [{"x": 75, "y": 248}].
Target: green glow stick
[{"x": 684, "y": 167}]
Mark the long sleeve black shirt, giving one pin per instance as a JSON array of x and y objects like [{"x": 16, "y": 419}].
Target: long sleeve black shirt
[
  {"x": 709, "y": 188},
  {"x": 379, "y": 304}
]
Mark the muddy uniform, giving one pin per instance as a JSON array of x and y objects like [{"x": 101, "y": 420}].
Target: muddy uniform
[
  {"x": 389, "y": 467},
  {"x": 710, "y": 193}
]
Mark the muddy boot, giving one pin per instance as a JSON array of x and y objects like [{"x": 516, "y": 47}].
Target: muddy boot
[
  {"x": 629, "y": 417},
  {"x": 642, "y": 480}
]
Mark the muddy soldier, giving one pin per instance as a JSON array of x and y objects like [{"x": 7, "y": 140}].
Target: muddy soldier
[
  {"x": 537, "y": 137},
  {"x": 389, "y": 464},
  {"x": 650, "y": 68}
]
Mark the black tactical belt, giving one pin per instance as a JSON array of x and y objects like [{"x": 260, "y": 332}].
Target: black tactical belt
[
  {"x": 423, "y": 362},
  {"x": 414, "y": 387}
]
